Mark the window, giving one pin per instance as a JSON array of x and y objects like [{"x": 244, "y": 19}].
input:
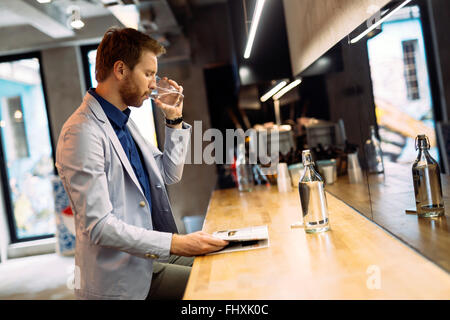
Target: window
[
  {"x": 27, "y": 163},
  {"x": 409, "y": 60},
  {"x": 401, "y": 86}
]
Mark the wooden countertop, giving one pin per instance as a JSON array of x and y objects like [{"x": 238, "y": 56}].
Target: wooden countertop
[
  {"x": 384, "y": 200},
  {"x": 342, "y": 263}
]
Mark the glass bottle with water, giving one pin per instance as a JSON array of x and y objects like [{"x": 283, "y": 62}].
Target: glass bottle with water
[
  {"x": 312, "y": 197},
  {"x": 244, "y": 171},
  {"x": 427, "y": 181},
  {"x": 374, "y": 154}
]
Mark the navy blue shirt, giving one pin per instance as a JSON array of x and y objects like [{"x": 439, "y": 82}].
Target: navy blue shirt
[{"x": 118, "y": 120}]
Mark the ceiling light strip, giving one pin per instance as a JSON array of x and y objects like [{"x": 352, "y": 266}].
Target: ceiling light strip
[
  {"x": 272, "y": 91},
  {"x": 287, "y": 89},
  {"x": 253, "y": 28}
]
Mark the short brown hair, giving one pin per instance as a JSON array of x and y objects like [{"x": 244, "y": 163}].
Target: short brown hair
[{"x": 125, "y": 44}]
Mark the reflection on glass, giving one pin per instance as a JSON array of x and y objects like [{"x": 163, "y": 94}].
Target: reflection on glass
[
  {"x": 26, "y": 148},
  {"x": 374, "y": 154},
  {"x": 404, "y": 109},
  {"x": 401, "y": 86},
  {"x": 142, "y": 116}
]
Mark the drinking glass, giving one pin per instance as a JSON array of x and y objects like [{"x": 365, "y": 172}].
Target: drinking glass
[
  {"x": 354, "y": 169},
  {"x": 328, "y": 170},
  {"x": 166, "y": 93}
]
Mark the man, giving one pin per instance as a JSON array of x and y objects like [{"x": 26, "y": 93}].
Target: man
[{"x": 127, "y": 246}]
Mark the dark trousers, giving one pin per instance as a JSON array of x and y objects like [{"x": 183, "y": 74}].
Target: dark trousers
[{"x": 170, "y": 279}]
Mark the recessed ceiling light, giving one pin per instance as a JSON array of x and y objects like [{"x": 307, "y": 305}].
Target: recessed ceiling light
[{"x": 74, "y": 20}]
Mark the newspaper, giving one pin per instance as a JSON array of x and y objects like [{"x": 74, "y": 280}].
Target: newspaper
[{"x": 243, "y": 239}]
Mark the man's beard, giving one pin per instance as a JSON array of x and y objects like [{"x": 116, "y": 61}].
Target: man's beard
[{"x": 129, "y": 92}]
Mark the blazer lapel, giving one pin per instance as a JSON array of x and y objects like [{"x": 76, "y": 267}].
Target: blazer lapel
[{"x": 100, "y": 114}]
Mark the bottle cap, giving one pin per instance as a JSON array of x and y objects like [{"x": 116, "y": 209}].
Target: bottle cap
[
  {"x": 306, "y": 157},
  {"x": 422, "y": 142}
]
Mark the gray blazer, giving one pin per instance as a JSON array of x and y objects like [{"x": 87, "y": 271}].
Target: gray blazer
[{"x": 115, "y": 238}]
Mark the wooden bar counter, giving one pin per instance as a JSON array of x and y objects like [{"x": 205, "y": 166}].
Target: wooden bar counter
[{"x": 356, "y": 259}]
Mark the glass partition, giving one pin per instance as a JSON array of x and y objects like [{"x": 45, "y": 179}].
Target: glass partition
[
  {"x": 404, "y": 72},
  {"x": 389, "y": 90}
]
